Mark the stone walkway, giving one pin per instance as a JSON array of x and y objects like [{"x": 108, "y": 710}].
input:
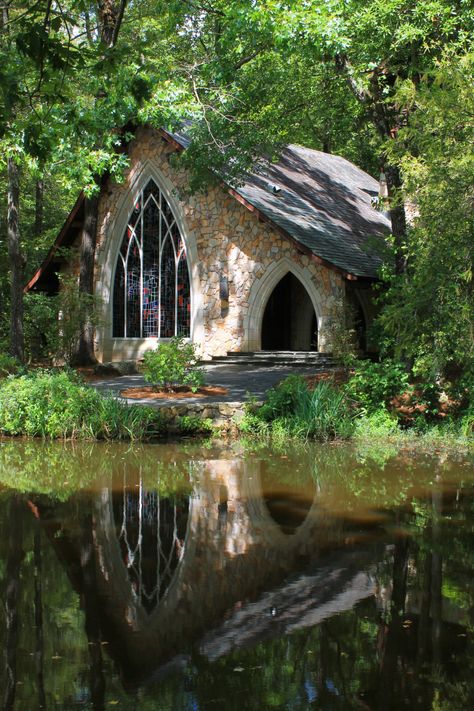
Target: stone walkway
[{"x": 238, "y": 379}]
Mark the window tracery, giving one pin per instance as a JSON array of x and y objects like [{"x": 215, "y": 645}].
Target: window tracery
[{"x": 152, "y": 295}]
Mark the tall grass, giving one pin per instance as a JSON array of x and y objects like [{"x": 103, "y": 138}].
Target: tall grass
[
  {"x": 322, "y": 413},
  {"x": 57, "y": 405},
  {"x": 293, "y": 410}
]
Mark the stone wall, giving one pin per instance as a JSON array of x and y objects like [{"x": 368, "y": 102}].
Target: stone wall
[
  {"x": 223, "y": 414},
  {"x": 224, "y": 238}
]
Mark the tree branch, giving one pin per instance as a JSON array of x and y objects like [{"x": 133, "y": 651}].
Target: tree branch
[{"x": 118, "y": 22}]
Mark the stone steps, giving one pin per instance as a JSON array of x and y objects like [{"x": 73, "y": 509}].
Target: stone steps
[{"x": 282, "y": 358}]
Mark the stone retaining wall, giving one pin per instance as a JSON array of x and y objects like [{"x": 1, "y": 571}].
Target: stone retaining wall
[{"x": 222, "y": 414}]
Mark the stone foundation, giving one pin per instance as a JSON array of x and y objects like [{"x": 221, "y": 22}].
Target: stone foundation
[{"x": 224, "y": 415}]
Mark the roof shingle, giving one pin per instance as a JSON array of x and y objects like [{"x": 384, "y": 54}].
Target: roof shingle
[{"x": 323, "y": 202}]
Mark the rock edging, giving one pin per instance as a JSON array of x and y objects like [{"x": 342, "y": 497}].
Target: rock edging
[{"x": 222, "y": 414}]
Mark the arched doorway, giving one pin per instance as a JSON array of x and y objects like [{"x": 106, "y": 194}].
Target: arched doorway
[{"x": 289, "y": 321}]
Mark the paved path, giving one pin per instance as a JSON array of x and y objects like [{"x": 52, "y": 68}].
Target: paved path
[{"x": 238, "y": 379}]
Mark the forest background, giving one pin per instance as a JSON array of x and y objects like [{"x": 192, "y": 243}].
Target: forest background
[{"x": 387, "y": 84}]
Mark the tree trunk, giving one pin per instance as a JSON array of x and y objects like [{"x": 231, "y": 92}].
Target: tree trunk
[
  {"x": 16, "y": 262},
  {"x": 110, "y": 16},
  {"x": 39, "y": 207},
  {"x": 85, "y": 350},
  {"x": 3, "y": 16},
  {"x": 397, "y": 217}
]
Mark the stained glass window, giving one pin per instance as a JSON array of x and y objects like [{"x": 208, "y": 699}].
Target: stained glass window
[{"x": 152, "y": 295}]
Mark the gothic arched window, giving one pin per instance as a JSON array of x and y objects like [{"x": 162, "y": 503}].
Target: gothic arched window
[{"x": 152, "y": 295}]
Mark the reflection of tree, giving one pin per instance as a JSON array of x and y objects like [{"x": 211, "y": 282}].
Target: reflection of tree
[
  {"x": 60, "y": 469},
  {"x": 92, "y": 614},
  {"x": 14, "y": 560},
  {"x": 436, "y": 574},
  {"x": 391, "y": 633},
  {"x": 406, "y": 646},
  {"x": 38, "y": 571}
]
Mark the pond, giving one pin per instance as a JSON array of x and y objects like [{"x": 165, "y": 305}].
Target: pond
[{"x": 204, "y": 576}]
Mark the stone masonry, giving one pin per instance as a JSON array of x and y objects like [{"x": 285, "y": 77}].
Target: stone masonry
[{"x": 224, "y": 238}]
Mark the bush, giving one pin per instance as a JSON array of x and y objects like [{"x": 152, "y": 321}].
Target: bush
[
  {"x": 173, "y": 364},
  {"x": 192, "y": 424},
  {"x": 427, "y": 397},
  {"x": 282, "y": 399},
  {"x": 8, "y": 365},
  {"x": 467, "y": 425},
  {"x": 54, "y": 324},
  {"x": 323, "y": 413},
  {"x": 378, "y": 424},
  {"x": 373, "y": 385},
  {"x": 58, "y": 405},
  {"x": 41, "y": 326},
  {"x": 292, "y": 410}
]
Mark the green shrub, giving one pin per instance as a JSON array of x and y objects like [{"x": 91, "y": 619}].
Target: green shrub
[
  {"x": 58, "y": 405},
  {"x": 461, "y": 391},
  {"x": 8, "y": 365},
  {"x": 173, "y": 363},
  {"x": 373, "y": 385},
  {"x": 53, "y": 324},
  {"x": 323, "y": 413},
  {"x": 192, "y": 424},
  {"x": 41, "y": 326},
  {"x": 283, "y": 398},
  {"x": 467, "y": 425},
  {"x": 253, "y": 424},
  {"x": 293, "y": 410},
  {"x": 427, "y": 396},
  {"x": 378, "y": 424}
]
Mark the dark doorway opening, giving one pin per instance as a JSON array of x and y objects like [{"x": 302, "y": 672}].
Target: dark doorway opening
[{"x": 289, "y": 321}]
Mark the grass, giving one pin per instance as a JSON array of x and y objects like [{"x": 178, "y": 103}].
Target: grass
[
  {"x": 58, "y": 405},
  {"x": 292, "y": 410}
]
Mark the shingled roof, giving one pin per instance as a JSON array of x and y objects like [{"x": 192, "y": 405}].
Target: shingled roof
[{"x": 323, "y": 202}]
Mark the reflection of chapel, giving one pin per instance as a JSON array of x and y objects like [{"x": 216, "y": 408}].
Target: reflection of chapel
[{"x": 268, "y": 265}]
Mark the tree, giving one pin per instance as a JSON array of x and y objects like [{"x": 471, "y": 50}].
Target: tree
[
  {"x": 428, "y": 312},
  {"x": 35, "y": 56},
  {"x": 54, "y": 61},
  {"x": 395, "y": 74},
  {"x": 109, "y": 20}
]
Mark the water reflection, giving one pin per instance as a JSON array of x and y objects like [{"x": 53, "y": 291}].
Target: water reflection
[
  {"x": 151, "y": 531},
  {"x": 196, "y": 577}
]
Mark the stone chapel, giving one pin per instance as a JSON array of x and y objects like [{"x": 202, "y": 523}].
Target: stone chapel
[{"x": 268, "y": 265}]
